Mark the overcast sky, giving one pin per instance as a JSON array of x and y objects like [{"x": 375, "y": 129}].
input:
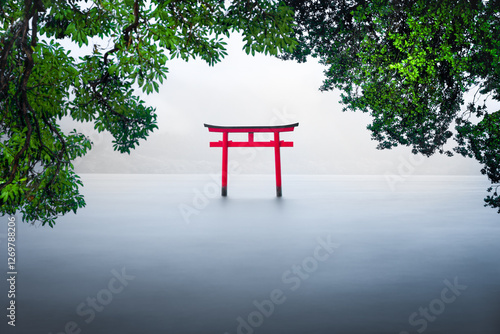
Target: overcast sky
[{"x": 259, "y": 90}]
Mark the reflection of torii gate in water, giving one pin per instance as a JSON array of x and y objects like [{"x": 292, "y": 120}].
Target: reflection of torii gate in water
[{"x": 225, "y": 143}]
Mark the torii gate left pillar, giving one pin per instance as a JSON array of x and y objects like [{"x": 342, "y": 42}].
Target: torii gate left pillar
[{"x": 225, "y": 143}]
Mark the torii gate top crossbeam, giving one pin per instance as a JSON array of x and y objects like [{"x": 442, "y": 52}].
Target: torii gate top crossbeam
[{"x": 251, "y": 128}]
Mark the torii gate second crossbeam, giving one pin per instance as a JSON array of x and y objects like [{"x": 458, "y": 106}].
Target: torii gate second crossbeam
[{"x": 225, "y": 143}]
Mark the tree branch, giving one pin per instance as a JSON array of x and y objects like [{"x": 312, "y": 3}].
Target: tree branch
[{"x": 126, "y": 32}]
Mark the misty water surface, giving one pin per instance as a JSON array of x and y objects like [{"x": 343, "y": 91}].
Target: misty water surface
[{"x": 336, "y": 254}]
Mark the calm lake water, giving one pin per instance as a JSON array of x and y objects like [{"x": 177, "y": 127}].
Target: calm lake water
[{"x": 335, "y": 254}]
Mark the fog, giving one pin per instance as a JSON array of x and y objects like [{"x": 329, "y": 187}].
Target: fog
[{"x": 259, "y": 90}]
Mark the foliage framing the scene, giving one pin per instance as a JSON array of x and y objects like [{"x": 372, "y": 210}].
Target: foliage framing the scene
[
  {"x": 41, "y": 83},
  {"x": 411, "y": 64}
]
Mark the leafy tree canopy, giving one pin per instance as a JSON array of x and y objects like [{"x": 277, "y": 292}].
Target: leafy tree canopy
[
  {"x": 410, "y": 64},
  {"x": 40, "y": 82}
]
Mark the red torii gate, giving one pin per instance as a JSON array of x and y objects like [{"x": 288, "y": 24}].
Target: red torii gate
[{"x": 225, "y": 143}]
